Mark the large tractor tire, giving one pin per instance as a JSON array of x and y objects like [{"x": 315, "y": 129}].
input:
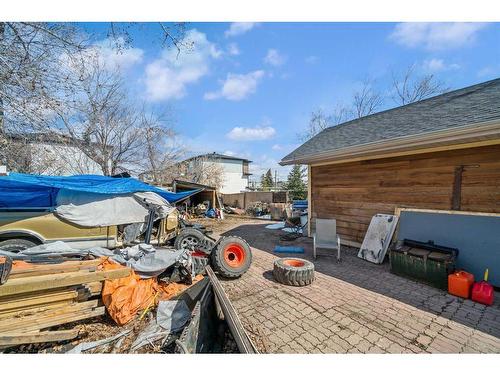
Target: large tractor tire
[
  {"x": 193, "y": 239},
  {"x": 293, "y": 271},
  {"x": 232, "y": 257}
]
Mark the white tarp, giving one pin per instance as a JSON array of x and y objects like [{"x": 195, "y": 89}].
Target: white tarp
[
  {"x": 377, "y": 238},
  {"x": 102, "y": 210},
  {"x": 145, "y": 260}
]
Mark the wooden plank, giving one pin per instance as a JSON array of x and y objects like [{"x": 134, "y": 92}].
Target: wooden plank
[
  {"x": 13, "y": 339},
  {"x": 41, "y": 272},
  {"x": 31, "y": 310},
  {"x": 28, "y": 320},
  {"x": 71, "y": 264},
  {"x": 53, "y": 272},
  {"x": 95, "y": 288},
  {"x": 29, "y": 284},
  {"x": 399, "y": 210},
  {"x": 25, "y": 300}
]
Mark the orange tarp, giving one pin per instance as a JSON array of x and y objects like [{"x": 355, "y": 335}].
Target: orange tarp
[{"x": 125, "y": 297}]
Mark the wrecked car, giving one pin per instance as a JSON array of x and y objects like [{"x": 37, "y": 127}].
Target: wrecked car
[{"x": 84, "y": 211}]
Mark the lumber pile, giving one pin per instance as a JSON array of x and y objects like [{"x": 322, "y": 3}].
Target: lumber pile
[{"x": 40, "y": 296}]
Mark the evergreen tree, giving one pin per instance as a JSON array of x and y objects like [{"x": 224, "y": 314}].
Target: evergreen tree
[
  {"x": 295, "y": 183},
  {"x": 266, "y": 180}
]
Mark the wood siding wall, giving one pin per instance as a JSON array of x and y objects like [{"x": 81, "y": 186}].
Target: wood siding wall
[{"x": 353, "y": 192}]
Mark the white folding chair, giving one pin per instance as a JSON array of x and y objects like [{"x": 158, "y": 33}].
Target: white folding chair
[{"x": 326, "y": 236}]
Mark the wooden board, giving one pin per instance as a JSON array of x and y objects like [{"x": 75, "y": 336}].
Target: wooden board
[
  {"x": 34, "y": 283},
  {"x": 13, "y": 339},
  {"x": 36, "y": 298},
  {"x": 19, "y": 322},
  {"x": 32, "y": 310},
  {"x": 44, "y": 269},
  {"x": 52, "y": 318},
  {"x": 35, "y": 272}
]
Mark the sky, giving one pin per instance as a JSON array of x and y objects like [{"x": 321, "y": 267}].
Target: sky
[{"x": 248, "y": 89}]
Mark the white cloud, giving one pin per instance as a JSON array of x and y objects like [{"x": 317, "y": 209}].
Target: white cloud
[
  {"x": 257, "y": 133},
  {"x": 111, "y": 54},
  {"x": 436, "y": 36},
  {"x": 312, "y": 59},
  {"x": 115, "y": 54},
  {"x": 237, "y": 86},
  {"x": 274, "y": 58},
  {"x": 277, "y": 147},
  {"x": 167, "y": 77},
  {"x": 233, "y": 49},
  {"x": 437, "y": 65},
  {"x": 229, "y": 153},
  {"x": 238, "y": 28}
]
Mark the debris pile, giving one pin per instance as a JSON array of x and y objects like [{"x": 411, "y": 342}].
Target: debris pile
[
  {"x": 40, "y": 296},
  {"x": 258, "y": 209},
  {"x": 54, "y": 284},
  {"x": 200, "y": 210},
  {"x": 234, "y": 210}
]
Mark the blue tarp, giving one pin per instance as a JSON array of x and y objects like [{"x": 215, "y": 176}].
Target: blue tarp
[
  {"x": 25, "y": 190},
  {"x": 299, "y": 204}
]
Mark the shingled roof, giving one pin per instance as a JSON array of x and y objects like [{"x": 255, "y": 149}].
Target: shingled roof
[{"x": 470, "y": 105}]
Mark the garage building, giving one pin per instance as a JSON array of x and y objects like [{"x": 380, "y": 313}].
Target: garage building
[{"x": 439, "y": 153}]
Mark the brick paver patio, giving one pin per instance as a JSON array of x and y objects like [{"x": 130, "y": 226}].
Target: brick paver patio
[{"x": 354, "y": 307}]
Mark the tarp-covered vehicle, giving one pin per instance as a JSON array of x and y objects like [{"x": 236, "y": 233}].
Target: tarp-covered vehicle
[
  {"x": 84, "y": 211},
  {"x": 87, "y": 211}
]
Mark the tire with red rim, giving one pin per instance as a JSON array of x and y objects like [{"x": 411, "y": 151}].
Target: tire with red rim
[
  {"x": 293, "y": 271},
  {"x": 232, "y": 257}
]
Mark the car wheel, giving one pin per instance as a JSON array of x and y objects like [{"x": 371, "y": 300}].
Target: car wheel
[{"x": 191, "y": 239}]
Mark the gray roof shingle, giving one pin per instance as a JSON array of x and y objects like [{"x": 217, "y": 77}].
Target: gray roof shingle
[{"x": 469, "y": 105}]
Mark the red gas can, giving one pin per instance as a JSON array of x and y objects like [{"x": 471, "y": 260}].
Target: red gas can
[
  {"x": 460, "y": 283},
  {"x": 482, "y": 292}
]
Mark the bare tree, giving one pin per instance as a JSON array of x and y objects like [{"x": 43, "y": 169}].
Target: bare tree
[
  {"x": 96, "y": 115},
  {"x": 29, "y": 75},
  {"x": 161, "y": 150},
  {"x": 320, "y": 120},
  {"x": 202, "y": 170},
  {"x": 366, "y": 100},
  {"x": 317, "y": 123},
  {"x": 168, "y": 34},
  {"x": 410, "y": 87},
  {"x": 34, "y": 86}
]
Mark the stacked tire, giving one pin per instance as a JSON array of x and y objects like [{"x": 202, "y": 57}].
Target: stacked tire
[{"x": 293, "y": 271}]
